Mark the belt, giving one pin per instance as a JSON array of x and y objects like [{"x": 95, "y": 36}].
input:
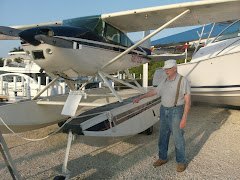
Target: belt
[{"x": 172, "y": 106}]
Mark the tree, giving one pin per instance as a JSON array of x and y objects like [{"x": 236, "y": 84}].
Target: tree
[
  {"x": 137, "y": 70},
  {"x": 17, "y": 49},
  {"x": 18, "y": 60},
  {"x": 152, "y": 66}
]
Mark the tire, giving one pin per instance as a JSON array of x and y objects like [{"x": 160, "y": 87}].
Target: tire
[
  {"x": 59, "y": 178},
  {"x": 149, "y": 131}
]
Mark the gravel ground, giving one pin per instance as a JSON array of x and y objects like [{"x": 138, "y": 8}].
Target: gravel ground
[{"x": 212, "y": 148}]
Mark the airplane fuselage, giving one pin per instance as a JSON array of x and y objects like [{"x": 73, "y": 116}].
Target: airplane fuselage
[
  {"x": 80, "y": 47},
  {"x": 83, "y": 59}
]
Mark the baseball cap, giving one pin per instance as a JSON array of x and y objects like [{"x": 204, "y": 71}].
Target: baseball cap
[{"x": 170, "y": 63}]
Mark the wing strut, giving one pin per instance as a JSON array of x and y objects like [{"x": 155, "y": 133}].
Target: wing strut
[
  {"x": 144, "y": 39},
  {"x": 130, "y": 76},
  {"x": 102, "y": 75},
  {"x": 44, "y": 89}
]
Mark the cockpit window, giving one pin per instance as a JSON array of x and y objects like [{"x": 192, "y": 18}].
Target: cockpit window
[
  {"x": 112, "y": 34},
  {"x": 117, "y": 36},
  {"x": 97, "y": 25},
  {"x": 232, "y": 31},
  {"x": 125, "y": 41}
]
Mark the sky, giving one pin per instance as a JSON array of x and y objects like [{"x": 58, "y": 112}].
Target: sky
[{"x": 23, "y": 12}]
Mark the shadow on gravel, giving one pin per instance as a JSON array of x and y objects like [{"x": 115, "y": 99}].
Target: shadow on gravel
[
  {"x": 113, "y": 156},
  {"x": 203, "y": 121}
]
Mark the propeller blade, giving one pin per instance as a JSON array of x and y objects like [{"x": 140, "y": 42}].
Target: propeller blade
[
  {"x": 54, "y": 41},
  {"x": 8, "y": 33}
]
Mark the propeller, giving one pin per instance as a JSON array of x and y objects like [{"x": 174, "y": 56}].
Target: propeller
[
  {"x": 53, "y": 35},
  {"x": 54, "y": 41},
  {"x": 8, "y": 33}
]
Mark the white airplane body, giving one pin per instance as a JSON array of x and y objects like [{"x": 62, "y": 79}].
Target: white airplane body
[{"x": 85, "y": 60}]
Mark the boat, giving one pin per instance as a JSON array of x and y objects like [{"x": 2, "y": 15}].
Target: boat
[
  {"x": 22, "y": 79},
  {"x": 26, "y": 66},
  {"x": 213, "y": 71}
]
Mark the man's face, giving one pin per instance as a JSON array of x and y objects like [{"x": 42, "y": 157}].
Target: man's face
[{"x": 171, "y": 71}]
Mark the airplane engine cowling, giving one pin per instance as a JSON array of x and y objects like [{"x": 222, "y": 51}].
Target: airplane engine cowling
[{"x": 29, "y": 35}]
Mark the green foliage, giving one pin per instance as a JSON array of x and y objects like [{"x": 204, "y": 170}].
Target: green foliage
[
  {"x": 137, "y": 70},
  {"x": 18, "y": 60},
  {"x": 183, "y": 60},
  {"x": 17, "y": 49},
  {"x": 152, "y": 66}
]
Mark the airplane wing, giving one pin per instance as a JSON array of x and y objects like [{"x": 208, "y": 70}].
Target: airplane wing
[
  {"x": 201, "y": 12},
  {"x": 23, "y": 27}
]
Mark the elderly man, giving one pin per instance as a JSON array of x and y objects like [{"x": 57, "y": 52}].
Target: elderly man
[{"x": 175, "y": 94}]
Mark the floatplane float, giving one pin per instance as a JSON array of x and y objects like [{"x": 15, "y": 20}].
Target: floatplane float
[{"x": 98, "y": 45}]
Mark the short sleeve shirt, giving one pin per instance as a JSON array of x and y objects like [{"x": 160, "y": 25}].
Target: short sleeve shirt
[{"x": 168, "y": 91}]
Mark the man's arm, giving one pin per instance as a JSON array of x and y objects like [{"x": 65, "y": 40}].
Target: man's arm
[
  {"x": 187, "y": 106},
  {"x": 148, "y": 94}
]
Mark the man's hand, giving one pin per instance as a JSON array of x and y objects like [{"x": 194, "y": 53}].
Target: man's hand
[
  {"x": 136, "y": 100},
  {"x": 148, "y": 94},
  {"x": 183, "y": 123}
]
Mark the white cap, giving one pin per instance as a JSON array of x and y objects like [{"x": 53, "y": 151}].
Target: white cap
[{"x": 170, "y": 63}]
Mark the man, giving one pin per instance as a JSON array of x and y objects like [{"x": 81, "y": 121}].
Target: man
[{"x": 175, "y": 105}]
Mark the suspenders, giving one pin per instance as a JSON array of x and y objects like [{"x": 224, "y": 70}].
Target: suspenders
[{"x": 178, "y": 89}]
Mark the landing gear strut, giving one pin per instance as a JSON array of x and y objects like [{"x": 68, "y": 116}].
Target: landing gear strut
[{"x": 65, "y": 172}]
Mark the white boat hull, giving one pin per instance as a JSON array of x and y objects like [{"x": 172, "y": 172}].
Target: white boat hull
[{"x": 215, "y": 80}]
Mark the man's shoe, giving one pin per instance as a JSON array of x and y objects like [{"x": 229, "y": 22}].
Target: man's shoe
[
  {"x": 159, "y": 162},
  {"x": 181, "y": 167}
]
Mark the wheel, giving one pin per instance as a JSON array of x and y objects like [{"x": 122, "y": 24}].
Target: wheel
[
  {"x": 60, "y": 178},
  {"x": 149, "y": 131},
  {"x": 61, "y": 123}
]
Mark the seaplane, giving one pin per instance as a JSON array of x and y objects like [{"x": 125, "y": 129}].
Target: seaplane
[{"x": 98, "y": 46}]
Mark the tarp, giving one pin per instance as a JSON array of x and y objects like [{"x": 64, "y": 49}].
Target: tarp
[{"x": 192, "y": 35}]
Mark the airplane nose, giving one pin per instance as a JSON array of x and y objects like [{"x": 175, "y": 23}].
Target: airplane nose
[
  {"x": 35, "y": 35},
  {"x": 29, "y": 36}
]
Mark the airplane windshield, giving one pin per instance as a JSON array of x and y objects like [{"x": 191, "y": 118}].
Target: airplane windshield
[
  {"x": 231, "y": 31},
  {"x": 101, "y": 28},
  {"x": 93, "y": 23}
]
